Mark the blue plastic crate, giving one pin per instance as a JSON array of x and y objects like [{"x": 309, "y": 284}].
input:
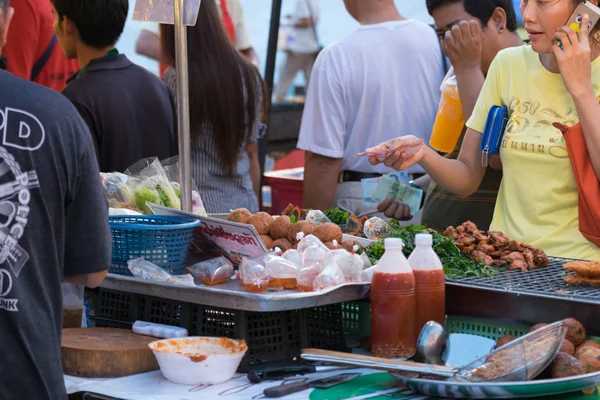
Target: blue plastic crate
[{"x": 161, "y": 240}]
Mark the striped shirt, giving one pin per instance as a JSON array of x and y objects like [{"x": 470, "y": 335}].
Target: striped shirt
[{"x": 220, "y": 192}]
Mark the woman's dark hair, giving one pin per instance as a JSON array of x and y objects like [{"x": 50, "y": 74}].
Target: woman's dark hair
[
  {"x": 481, "y": 9},
  {"x": 225, "y": 89}
]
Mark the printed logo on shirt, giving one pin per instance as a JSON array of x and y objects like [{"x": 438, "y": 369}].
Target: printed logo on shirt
[{"x": 19, "y": 130}]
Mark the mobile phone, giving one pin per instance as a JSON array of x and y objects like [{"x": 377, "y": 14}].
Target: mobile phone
[{"x": 574, "y": 22}]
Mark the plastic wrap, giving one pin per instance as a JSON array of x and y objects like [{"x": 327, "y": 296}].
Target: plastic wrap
[
  {"x": 316, "y": 217},
  {"x": 184, "y": 280},
  {"x": 72, "y": 305},
  {"x": 143, "y": 269},
  {"x": 294, "y": 257},
  {"x": 154, "y": 185},
  {"x": 213, "y": 272},
  {"x": 282, "y": 273},
  {"x": 331, "y": 276},
  {"x": 254, "y": 275},
  {"x": 350, "y": 264},
  {"x": 171, "y": 167},
  {"x": 375, "y": 228}
]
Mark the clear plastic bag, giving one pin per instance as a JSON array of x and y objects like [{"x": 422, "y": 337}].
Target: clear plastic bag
[
  {"x": 184, "y": 280},
  {"x": 350, "y": 264},
  {"x": 375, "y": 228},
  {"x": 254, "y": 276},
  {"x": 310, "y": 241},
  {"x": 367, "y": 274},
  {"x": 316, "y": 217},
  {"x": 294, "y": 257},
  {"x": 314, "y": 255},
  {"x": 282, "y": 273},
  {"x": 154, "y": 186},
  {"x": 171, "y": 167},
  {"x": 307, "y": 276},
  {"x": 143, "y": 269},
  {"x": 331, "y": 276},
  {"x": 213, "y": 272},
  {"x": 72, "y": 305}
]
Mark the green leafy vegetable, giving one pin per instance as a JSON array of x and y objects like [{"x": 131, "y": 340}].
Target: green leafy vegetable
[
  {"x": 337, "y": 216},
  {"x": 293, "y": 219},
  {"x": 456, "y": 264},
  {"x": 142, "y": 195}
]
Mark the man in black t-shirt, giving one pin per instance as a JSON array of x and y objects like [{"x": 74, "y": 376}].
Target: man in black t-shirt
[
  {"x": 53, "y": 228},
  {"x": 128, "y": 109}
]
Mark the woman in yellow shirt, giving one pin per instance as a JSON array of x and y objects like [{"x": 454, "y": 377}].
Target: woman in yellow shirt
[{"x": 540, "y": 84}]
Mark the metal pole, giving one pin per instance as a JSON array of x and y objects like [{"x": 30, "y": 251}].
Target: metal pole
[
  {"x": 183, "y": 107},
  {"x": 269, "y": 78}
]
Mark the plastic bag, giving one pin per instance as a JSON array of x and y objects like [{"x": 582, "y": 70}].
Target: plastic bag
[
  {"x": 331, "y": 276},
  {"x": 282, "y": 273},
  {"x": 314, "y": 255},
  {"x": 366, "y": 262},
  {"x": 184, "y": 280},
  {"x": 294, "y": 257},
  {"x": 154, "y": 185},
  {"x": 122, "y": 211},
  {"x": 350, "y": 264},
  {"x": 316, "y": 217},
  {"x": 213, "y": 272},
  {"x": 143, "y": 269},
  {"x": 375, "y": 228},
  {"x": 117, "y": 186},
  {"x": 171, "y": 167},
  {"x": 307, "y": 276},
  {"x": 309, "y": 241},
  {"x": 367, "y": 274},
  {"x": 254, "y": 276},
  {"x": 72, "y": 305}
]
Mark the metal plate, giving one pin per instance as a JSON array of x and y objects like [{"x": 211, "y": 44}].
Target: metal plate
[
  {"x": 544, "y": 282},
  {"x": 459, "y": 390}
]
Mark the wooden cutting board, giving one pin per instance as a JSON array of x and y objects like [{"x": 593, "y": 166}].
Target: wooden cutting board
[{"x": 106, "y": 353}]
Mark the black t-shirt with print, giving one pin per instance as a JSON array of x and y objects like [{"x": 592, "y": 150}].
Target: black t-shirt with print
[{"x": 53, "y": 221}]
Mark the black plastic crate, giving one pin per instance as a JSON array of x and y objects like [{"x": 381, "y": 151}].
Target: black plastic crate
[{"x": 271, "y": 336}]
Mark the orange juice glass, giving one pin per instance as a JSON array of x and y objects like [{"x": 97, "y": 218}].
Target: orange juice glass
[{"x": 449, "y": 121}]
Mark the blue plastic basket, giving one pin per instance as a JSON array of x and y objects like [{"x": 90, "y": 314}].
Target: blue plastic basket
[{"x": 161, "y": 240}]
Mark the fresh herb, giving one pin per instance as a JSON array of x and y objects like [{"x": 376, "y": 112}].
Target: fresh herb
[
  {"x": 337, "y": 216},
  {"x": 293, "y": 219},
  {"x": 456, "y": 264}
]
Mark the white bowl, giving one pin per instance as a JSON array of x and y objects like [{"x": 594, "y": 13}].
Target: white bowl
[{"x": 198, "y": 360}]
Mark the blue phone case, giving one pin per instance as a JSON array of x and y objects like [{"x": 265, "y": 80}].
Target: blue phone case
[{"x": 493, "y": 133}]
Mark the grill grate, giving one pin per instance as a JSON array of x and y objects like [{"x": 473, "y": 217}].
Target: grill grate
[{"x": 546, "y": 282}]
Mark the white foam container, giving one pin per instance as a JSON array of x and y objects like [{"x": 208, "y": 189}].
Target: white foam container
[{"x": 198, "y": 360}]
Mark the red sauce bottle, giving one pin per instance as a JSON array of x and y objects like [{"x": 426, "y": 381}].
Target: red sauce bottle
[
  {"x": 431, "y": 282},
  {"x": 393, "y": 305}
]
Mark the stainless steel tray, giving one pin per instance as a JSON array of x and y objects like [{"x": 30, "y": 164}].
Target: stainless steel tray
[
  {"x": 507, "y": 390},
  {"x": 232, "y": 295}
]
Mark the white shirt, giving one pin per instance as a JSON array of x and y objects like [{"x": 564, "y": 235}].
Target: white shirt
[
  {"x": 304, "y": 40},
  {"x": 381, "y": 82},
  {"x": 236, "y": 12}
]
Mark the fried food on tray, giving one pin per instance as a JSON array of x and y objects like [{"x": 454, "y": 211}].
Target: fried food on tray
[
  {"x": 537, "y": 326},
  {"x": 280, "y": 227},
  {"x": 575, "y": 331},
  {"x": 241, "y": 215},
  {"x": 283, "y": 245},
  {"x": 585, "y": 269},
  {"x": 580, "y": 281},
  {"x": 301, "y": 226},
  {"x": 504, "y": 340},
  {"x": 565, "y": 365},
  {"x": 495, "y": 248},
  {"x": 567, "y": 347},
  {"x": 262, "y": 222},
  {"x": 590, "y": 359},
  {"x": 267, "y": 241},
  {"x": 328, "y": 232}
]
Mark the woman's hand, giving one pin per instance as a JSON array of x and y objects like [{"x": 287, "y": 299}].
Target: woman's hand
[
  {"x": 575, "y": 58},
  {"x": 400, "y": 153}
]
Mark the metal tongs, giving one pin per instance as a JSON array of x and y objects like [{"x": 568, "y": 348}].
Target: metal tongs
[{"x": 518, "y": 361}]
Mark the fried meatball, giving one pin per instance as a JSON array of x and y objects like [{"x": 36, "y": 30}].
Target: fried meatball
[
  {"x": 504, "y": 340},
  {"x": 266, "y": 240},
  {"x": 565, "y": 365},
  {"x": 575, "y": 331},
  {"x": 328, "y": 232},
  {"x": 280, "y": 227},
  {"x": 353, "y": 226},
  {"x": 587, "y": 343},
  {"x": 283, "y": 244},
  {"x": 262, "y": 222},
  {"x": 589, "y": 357},
  {"x": 567, "y": 347},
  {"x": 241, "y": 215},
  {"x": 332, "y": 245},
  {"x": 301, "y": 226},
  {"x": 536, "y": 327}
]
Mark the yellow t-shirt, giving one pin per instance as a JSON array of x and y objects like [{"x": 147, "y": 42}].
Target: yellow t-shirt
[{"x": 537, "y": 201}]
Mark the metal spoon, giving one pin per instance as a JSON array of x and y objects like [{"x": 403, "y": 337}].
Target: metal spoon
[{"x": 432, "y": 344}]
